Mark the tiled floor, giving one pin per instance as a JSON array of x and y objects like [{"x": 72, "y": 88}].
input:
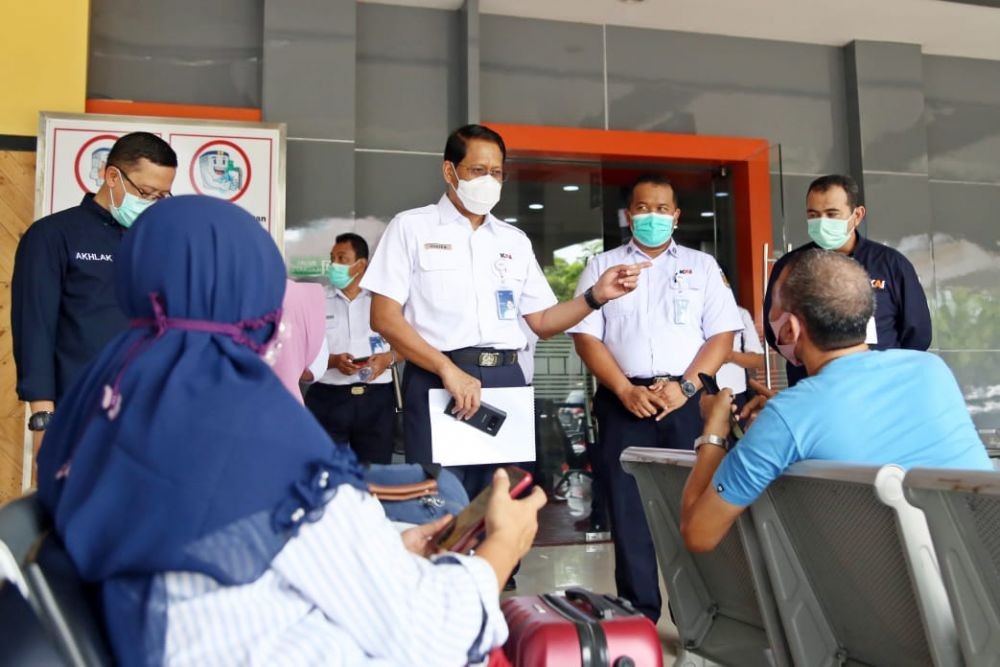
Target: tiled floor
[{"x": 547, "y": 569}]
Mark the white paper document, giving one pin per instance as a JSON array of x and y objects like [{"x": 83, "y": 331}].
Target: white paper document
[{"x": 455, "y": 443}]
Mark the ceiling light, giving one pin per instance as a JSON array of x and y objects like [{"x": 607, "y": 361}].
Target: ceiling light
[
  {"x": 571, "y": 188},
  {"x": 511, "y": 220},
  {"x": 721, "y": 194},
  {"x": 707, "y": 214},
  {"x": 536, "y": 207}
]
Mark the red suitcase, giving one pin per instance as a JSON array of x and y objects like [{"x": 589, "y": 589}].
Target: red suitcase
[{"x": 579, "y": 629}]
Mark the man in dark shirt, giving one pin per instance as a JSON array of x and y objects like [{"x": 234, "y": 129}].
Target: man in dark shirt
[
  {"x": 63, "y": 298},
  {"x": 834, "y": 212}
]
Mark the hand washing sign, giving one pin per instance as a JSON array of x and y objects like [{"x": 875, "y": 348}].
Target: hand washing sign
[{"x": 237, "y": 161}]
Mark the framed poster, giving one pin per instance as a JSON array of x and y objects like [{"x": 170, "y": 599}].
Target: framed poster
[{"x": 241, "y": 162}]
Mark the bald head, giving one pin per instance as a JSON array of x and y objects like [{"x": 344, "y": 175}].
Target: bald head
[{"x": 831, "y": 294}]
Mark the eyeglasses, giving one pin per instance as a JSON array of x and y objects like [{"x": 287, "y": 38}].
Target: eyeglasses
[
  {"x": 478, "y": 171},
  {"x": 148, "y": 196}
]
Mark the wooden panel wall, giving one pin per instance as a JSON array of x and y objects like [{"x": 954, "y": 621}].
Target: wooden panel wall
[{"x": 17, "y": 187}]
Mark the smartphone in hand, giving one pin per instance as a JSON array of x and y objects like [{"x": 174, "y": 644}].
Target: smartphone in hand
[
  {"x": 462, "y": 530},
  {"x": 712, "y": 388}
]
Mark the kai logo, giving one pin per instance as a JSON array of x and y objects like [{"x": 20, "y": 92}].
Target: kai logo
[
  {"x": 878, "y": 283},
  {"x": 93, "y": 257}
]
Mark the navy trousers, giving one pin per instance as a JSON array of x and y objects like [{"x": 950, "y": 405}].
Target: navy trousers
[
  {"x": 363, "y": 421},
  {"x": 635, "y": 559},
  {"x": 417, "y": 424}
]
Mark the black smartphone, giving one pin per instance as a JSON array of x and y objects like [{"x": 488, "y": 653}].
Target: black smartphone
[
  {"x": 460, "y": 532},
  {"x": 487, "y": 419},
  {"x": 360, "y": 361},
  {"x": 712, "y": 387}
]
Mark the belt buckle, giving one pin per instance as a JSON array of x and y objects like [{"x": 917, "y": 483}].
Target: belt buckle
[
  {"x": 489, "y": 359},
  {"x": 661, "y": 378},
  {"x": 357, "y": 391}
]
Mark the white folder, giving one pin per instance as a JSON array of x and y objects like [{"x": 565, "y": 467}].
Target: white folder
[{"x": 455, "y": 443}]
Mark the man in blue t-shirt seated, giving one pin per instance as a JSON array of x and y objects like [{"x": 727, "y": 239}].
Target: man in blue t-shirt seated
[{"x": 856, "y": 406}]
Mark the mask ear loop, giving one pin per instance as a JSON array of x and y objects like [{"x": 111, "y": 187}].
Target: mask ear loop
[{"x": 111, "y": 399}]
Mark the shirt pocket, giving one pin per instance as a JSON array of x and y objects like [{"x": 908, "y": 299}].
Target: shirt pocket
[
  {"x": 445, "y": 276},
  {"x": 684, "y": 307},
  {"x": 624, "y": 306}
]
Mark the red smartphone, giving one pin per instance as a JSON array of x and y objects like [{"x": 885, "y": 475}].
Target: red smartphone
[{"x": 460, "y": 533}]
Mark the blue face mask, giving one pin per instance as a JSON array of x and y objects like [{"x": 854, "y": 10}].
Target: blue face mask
[
  {"x": 130, "y": 208},
  {"x": 340, "y": 275},
  {"x": 652, "y": 229}
]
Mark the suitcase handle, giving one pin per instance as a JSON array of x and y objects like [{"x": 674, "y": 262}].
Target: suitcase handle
[
  {"x": 603, "y": 609},
  {"x": 593, "y": 642}
]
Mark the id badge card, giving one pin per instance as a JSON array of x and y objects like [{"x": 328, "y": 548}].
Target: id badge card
[
  {"x": 378, "y": 344},
  {"x": 506, "y": 309},
  {"x": 682, "y": 311}
]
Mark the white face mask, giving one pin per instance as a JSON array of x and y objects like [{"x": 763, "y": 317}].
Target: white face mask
[{"x": 479, "y": 195}]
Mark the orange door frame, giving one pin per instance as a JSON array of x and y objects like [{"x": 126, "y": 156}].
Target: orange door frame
[{"x": 747, "y": 159}]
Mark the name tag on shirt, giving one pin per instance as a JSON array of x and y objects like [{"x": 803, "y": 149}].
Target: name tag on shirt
[{"x": 506, "y": 309}]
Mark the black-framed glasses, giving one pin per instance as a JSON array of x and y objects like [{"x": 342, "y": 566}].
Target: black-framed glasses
[{"x": 148, "y": 196}]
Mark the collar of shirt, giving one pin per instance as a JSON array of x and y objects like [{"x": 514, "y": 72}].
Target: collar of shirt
[
  {"x": 88, "y": 204},
  {"x": 335, "y": 292},
  {"x": 633, "y": 249},
  {"x": 861, "y": 243},
  {"x": 450, "y": 215}
]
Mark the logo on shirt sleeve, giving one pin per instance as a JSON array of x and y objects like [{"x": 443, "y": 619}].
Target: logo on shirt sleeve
[
  {"x": 878, "y": 283},
  {"x": 720, "y": 488}
]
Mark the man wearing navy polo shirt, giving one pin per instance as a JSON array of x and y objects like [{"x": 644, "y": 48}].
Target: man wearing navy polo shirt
[
  {"x": 834, "y": 213},
  {"x": 64, "y": 307},
  {"x": 856, "y": 405}
]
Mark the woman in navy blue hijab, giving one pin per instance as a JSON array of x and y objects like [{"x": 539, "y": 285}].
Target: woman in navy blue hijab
[{"x": 180, "y": 474}]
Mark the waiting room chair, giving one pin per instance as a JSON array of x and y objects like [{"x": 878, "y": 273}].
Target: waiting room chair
[
  {"x": 963, "y": 512},
  {"x": 22, "y": 523},
  {"x": 853, "y": 568},
  {"x": 23, "y": 640},
  {"x": 66, "y": 605},
  {"x": 721, "y": 601}
]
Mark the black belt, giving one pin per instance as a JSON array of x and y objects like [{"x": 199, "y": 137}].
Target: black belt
[
  {"x": 647, "y": 382},
  {"x": 483, "y": 356},
  {"x": 356, "y": 389}
]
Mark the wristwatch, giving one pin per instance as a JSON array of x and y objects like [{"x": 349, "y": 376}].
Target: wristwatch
[
  {"x": 39, "y": 421},
  {"x": 687, "y": 387},
  {"x": 711, "y": 439},
  {"x": 591, "y": 300}
]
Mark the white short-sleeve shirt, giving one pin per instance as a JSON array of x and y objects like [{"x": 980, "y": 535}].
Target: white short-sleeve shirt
[
  {"x": 733, "y": 375},
  {"x": 348, "y": 329},
  {"x": 459, "y": 287},
  {"x": 658, "y": 328}
]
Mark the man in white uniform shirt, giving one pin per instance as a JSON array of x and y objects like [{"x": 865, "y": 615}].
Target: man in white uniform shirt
[
  {"x": 450, "y": 281},
  {"x": 354, "y": 399},
  {"x": 646, "y": 350}
]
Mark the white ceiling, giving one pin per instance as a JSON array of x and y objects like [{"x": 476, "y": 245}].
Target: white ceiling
[{"x": 941, "y": 28}]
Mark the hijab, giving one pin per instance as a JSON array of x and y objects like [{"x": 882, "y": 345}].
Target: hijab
[{"x": 179, "y": 449}]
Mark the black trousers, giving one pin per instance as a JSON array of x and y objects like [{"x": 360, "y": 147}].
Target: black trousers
[
  {"x": 635, "y": 559},
  {"x": 363, "y": 421},
  {"x": 417, "y": 422}
]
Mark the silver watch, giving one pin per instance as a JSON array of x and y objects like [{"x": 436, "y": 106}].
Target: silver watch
[{"x": 688, "y": 388}]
